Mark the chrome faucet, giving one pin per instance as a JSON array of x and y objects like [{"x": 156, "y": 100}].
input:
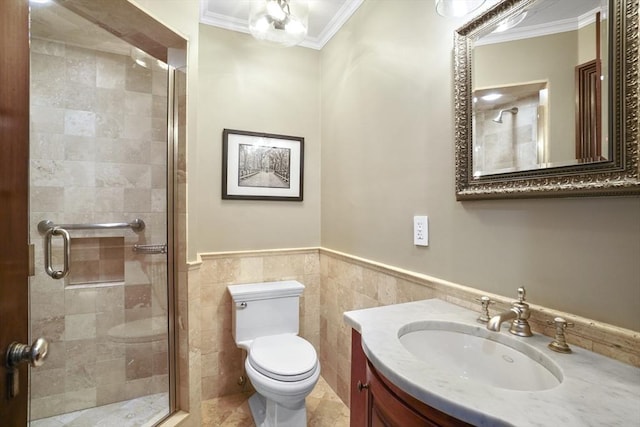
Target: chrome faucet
[{"x": 518, "y": 315}]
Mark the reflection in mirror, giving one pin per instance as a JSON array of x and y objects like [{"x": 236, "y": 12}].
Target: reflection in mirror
[
  {"x": 510, "y": 128},
  {"x": 530, "y": 61},
  {"x": 542, "y": 94}
]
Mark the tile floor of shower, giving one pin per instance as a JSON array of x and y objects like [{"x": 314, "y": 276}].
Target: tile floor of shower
[{"x": 324, "y": 408}]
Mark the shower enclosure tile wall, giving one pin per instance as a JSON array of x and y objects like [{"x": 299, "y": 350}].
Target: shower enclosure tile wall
[
  {"x": 98, "y": 154},
  {"x": 510, "y": 144}
]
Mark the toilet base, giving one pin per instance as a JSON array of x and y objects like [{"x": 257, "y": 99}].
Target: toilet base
[{"x": 267, "y": 413}]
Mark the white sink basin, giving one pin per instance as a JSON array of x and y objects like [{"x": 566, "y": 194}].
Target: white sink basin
[{"x": 473, "y": 353}]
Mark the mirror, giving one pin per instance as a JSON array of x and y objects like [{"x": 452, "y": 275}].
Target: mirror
[{"x": 546, "y": 102}]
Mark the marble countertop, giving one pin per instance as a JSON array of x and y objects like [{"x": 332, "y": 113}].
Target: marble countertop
[{"x": 595, "y": 391}]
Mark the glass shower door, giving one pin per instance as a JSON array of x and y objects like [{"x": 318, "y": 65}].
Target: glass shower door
[{"x": 98, "y": 221}]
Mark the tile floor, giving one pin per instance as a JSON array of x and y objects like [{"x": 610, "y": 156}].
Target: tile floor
[
  {"x": 324, "y": 409},
  {"x": 143, "y": 411}
]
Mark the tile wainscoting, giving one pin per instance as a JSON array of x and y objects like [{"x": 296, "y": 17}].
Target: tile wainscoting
[
  {"x": 222, "y": 361},
  {"x": 335, "y": 283}
]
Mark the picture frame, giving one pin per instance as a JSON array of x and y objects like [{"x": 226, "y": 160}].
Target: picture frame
[{"x": 262, "y": 166}]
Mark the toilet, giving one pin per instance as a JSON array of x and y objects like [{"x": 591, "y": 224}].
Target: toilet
[{"x": 282, "y": 367}]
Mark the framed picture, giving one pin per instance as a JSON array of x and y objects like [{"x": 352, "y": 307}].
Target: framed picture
[{"x": 261, "y": 166}]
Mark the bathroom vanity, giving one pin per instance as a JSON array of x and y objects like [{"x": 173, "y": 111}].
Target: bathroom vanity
[
  {"x": 377, "y": 401},
  {"x": 429, "y": 363}
]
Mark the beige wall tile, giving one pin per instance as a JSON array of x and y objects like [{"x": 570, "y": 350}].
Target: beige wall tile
[
  {"x": 137, "y": 78},
  {"x": 138, "y": 387},
  {"x": 80, "y": 326},
  {"x": 47, "y": 47},
  {"x": 46, "y": 305},
  {"x": 107, "y": 320},
  {"x": 47, "y": 146},
  {"x": 84, "y": 171},
  {"x": 48, "y": 68},
  {"x": 46, "y": 172},
  {"x": 80, "y": 399},
  {"x": 46, "y": 199},
  {"x": 110, "y": 70},
  {"x": 47, "y": 382},
  {"x": 80, "y": 376},
  {"x": 138, "y": 361},
  {"x": 110, "y": 372},
  {"x": 76, "y": 96},
  {"x": 138, "y": 104},
  {"x": 79, "y": 123},
  {"x": 81, "y": 351},
  {"x": 137, "y": 127},
  {"x": 108, "y": 350},
  {"x": 110, "y": 393},
  {"x": 137, "y": 296},
  {"x": 109, "y": 299},
  {"x": 52, "y": 328},
  {"x": 80, "y": 65},
  {"x": 80, "y": 301},
  {"x": 47, "y": 406}
]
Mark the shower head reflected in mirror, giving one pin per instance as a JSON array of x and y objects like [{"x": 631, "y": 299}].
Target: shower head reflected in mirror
[{"x": 498, "y": 118}]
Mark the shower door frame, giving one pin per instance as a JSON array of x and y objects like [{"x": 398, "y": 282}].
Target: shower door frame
[
  {"x": 14, "y": 199},
  {"x": 131, "y": 24}
]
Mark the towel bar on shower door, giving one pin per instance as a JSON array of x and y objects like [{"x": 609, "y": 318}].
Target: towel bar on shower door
[
  {"x": 136, "y": 225},
  {"x": 49, "y": 229}
]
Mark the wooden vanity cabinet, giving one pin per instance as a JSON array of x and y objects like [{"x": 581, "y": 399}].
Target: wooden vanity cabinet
[{"x": 375, "y": 401}]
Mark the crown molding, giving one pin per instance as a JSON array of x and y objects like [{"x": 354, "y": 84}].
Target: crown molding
[
  {"x": 548, "y": 28},
  {"x": 338, "y": 20}
]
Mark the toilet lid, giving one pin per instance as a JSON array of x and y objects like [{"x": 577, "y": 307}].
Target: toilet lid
[{"x": 284, "y": 357}]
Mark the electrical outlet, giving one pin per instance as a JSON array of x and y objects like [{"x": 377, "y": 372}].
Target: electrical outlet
[{"x": 420, "y": 231}]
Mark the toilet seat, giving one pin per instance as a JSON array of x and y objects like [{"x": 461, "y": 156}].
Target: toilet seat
[{"x": 285, "y": 357}]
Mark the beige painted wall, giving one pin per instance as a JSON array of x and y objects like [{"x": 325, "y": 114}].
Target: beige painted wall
[
  {"x": 249, "y": 86},
  {"x": 587, "y": 43},
  {"x": 387, "y": 154},
  {"x": 384, "y": 84}
]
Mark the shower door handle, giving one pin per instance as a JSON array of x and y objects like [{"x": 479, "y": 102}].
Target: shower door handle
[
  {"x": 17, "y": 353},
  {"x": 57, "y": 231},
  {"x": 34, "y": 353}
]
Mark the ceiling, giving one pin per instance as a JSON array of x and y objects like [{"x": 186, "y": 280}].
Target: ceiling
[{"x": 325, "y": 17}]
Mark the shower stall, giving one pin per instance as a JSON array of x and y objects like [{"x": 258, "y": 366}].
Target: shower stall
[
  {"x": 102, "y": 159},
  {"x": 510, "y": 127}
]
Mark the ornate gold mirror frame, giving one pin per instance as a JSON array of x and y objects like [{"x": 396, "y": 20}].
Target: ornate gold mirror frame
[{"x": 620, "y": 175}]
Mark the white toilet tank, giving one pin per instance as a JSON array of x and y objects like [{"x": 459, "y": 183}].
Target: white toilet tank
[{"x": 260, "y": 309}]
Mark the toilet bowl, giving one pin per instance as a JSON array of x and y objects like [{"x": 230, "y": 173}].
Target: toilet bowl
[{"x": 282, "y": 367}]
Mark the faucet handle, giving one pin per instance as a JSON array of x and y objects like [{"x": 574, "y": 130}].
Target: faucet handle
[
  {"x": 521, "y": 305},
  {"x": 559, "y": 342},
  {"x": 484, "y": 301},
  {"x": 521, "y": 294}
]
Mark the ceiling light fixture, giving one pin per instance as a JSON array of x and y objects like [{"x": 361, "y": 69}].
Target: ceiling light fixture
[
  {"x": 281, "y": 22},
  {"x": 457, "y": 8},
  {"x": 491, "y": 97}
]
